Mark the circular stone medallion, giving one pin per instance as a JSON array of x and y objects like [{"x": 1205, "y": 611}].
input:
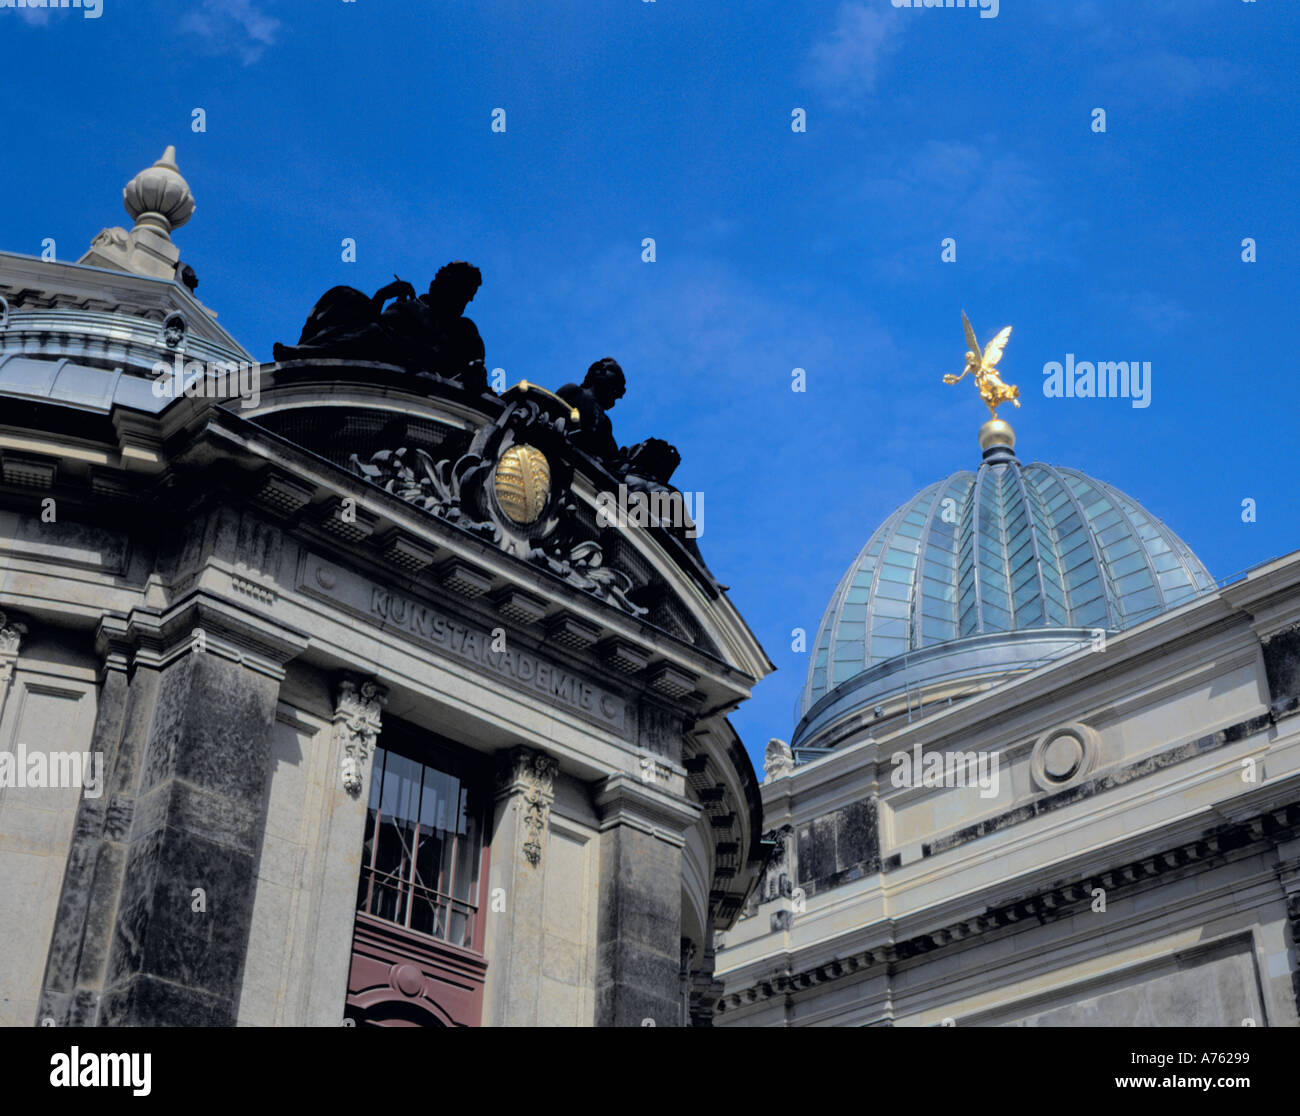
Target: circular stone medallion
[
  {"x": 522, "y": 483},
  {"x": 1062, "y": 757}
]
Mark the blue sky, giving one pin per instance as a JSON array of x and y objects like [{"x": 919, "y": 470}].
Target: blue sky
[{"x": 775, "y": 249}]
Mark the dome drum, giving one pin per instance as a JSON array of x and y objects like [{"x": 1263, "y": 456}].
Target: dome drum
[{"x": 917, "y": 680}]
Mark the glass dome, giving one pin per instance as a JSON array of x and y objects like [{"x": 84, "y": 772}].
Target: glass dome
[{"x": 1011, "y": 548}]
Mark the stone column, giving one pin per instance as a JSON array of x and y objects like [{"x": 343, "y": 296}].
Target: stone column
[
  {"x": 1288, "y": 870},
  {"x": 521, "y": 815},
  {"x": 705, "y": 989},
  {"x": 157, "y": 900},
  {"x": 638, "y": 962}
]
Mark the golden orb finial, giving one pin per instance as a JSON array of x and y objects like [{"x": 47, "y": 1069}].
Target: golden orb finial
[{"x": 997, "y": 432}]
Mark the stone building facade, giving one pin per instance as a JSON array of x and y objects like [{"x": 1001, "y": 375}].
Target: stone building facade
[{"x": 394, "y": 728}]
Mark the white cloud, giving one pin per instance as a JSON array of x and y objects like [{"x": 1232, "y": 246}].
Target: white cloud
[
  {"x": 848, "y": 61},
  {"x": 233, "y": 27},
  {"x": 1164, "y": 77},
  {"x": 990, "y": 199}
]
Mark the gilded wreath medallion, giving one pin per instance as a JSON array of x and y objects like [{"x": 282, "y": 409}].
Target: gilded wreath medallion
[{"x": 522, "y": 483}]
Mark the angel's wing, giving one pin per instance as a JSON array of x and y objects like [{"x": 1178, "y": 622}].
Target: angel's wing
[
  {"x": 993, "y": 353},
  {"x": 971, "y": 343}
]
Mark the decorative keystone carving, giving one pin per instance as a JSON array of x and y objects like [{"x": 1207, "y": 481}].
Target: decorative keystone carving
[
  {"x": 356, "y": 728},
  {"x": 531, "y": 774}
]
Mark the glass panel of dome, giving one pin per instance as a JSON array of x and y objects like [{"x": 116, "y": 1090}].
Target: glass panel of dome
[
  {"x": 1114, "y": 534},
  {"x": 896, "y": 573},
  {"x": 893, "y": 590},
  {"x": 940, "y": 630},
  {"x": 1134, "y": 582},
  {"x": 1166, "y": 561},
  {"x": 996, "y": 597},
  {"x": 1069, "y": 532},
  {"x": 1091, "y": 614},
  {"x": 887, "y": 648},
  {"x": 1158, "y": 546},
  {"x": 1073, "y": 537},
  {"x": 1027, "y": 591},
  {"x": 1081, "y": 557},
  {"x": 1142, "y": 602},
  {"x": 996, "y": 619},
  {"x": 908, "y": 531},
  {"x": 1130, "y": 563},
  {"x": 1126, "y": 546},
  {"x": 1172, "y": 579},
  {"x": 938, "y": 590},
  {"x": 858, "y": 593},
  {"x": 1109, "y": 518},
  {"x": 934, "y": 609},
  {"x": 855, "y": 631},
  {"x": 819, "y": 680},
  {"x": 991, "y": 581},
  {"x": 897, "y": 557},
  {"x": 1077, "y": 579},
  {"x": 938, "y": 571},
  {"x": 821, "y": 658},
  {"x": 1031, "y": 615},
  {"x": 1024, "y": 586}
]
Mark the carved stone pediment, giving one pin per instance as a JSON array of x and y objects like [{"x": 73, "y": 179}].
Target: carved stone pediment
[{"x": 512, "y": 487}]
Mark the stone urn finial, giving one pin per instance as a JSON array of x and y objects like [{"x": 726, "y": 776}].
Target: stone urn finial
[{"x": 158, "y": 196}]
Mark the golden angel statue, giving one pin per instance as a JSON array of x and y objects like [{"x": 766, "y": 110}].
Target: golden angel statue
[{"x": 991, "y": 388}]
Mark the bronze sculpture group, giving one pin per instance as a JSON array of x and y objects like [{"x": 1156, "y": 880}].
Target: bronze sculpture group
[{"x": 429, "y": 336}]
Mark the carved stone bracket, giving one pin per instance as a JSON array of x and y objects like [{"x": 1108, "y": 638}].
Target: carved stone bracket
[
  {"x": 532, "y": 775},
  {"x": 12, "y": 631},
  {"x": 356, "y": 728}
]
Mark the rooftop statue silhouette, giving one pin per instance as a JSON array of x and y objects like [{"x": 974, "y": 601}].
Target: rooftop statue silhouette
[
  {"x": 603, "y": 385},
  {"x": 427, "y": 335}
]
